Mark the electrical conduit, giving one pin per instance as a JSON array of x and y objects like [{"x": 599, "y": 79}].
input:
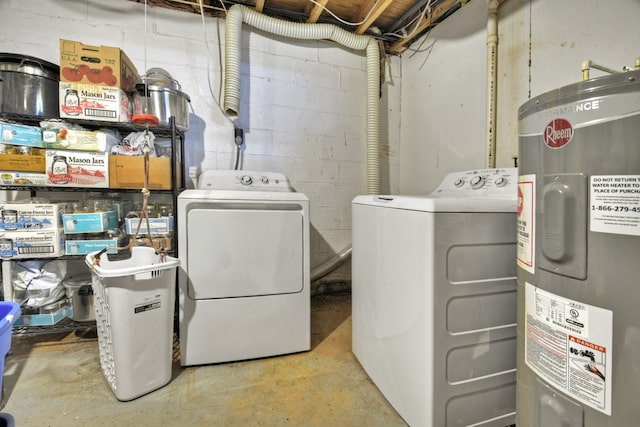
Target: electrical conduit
[{"x": 238, "y": 14}]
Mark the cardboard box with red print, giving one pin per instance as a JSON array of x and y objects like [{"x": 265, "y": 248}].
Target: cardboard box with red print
[
  {"x": 91, "y": 102},
  {"x": 67, "y": 168},
  {"x": 97, "y": 65}
]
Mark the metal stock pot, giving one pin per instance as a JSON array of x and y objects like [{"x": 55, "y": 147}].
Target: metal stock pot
[
  {"x": 28, "y": 86},
  {"x": 157, "y": 93}
]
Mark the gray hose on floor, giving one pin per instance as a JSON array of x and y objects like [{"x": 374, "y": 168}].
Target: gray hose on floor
[{"x": 332, "y": 264}]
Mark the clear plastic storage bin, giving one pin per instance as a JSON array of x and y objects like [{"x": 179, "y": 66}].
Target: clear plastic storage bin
[{"x": 134, "y": 303}]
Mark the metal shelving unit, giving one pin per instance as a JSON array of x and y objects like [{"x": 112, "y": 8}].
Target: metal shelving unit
[{"x": 177, "y": 180}]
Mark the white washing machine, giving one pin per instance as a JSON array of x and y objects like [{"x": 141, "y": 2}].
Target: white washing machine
[
  {"x": 243, "y": 240},
  {"x": 434, "y": 299}
]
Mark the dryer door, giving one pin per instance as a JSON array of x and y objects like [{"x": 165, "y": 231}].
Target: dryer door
[{"x": 240, "y": 250}]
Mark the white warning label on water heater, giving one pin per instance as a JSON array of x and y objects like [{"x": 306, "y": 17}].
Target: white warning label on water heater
[
  {"x": 525, "y": 219},
  {"x": 569, "y": 345},
  {"x": 615, "y": 204}
]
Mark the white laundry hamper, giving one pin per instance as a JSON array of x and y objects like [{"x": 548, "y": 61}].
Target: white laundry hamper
[{"x": 134, "y": 304}]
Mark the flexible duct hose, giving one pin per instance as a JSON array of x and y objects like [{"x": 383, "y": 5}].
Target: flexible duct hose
[
  {"x": 336, "y": 261},
  {"x": 492, "y": 82},
  {"x": 238, "y": 14}
]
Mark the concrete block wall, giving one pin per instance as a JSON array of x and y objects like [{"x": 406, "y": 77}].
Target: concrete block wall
[
  {"x": 541, "y": 46},
  {"x": 302, "y": 102}
]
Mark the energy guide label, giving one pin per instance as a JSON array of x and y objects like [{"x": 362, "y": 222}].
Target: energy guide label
[
  {"x": 615, "y": 204},
  {"x": 569, "y": 344}
]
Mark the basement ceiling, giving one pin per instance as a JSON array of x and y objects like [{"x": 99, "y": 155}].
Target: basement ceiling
[{"x": 396, "y": 23}]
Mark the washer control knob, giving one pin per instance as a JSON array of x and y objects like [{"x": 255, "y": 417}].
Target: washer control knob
[
  {"x": 501, "y": 181},
  {"x": 477, "y": 182},
  {"x": 459, "y": 182},
  {"x": 264, "y": 179},
  {"x": 246, "y": 180}
]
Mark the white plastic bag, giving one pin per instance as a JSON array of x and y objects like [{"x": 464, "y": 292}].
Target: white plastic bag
[
  {"x": 133, "y": 144},
  {"x": 38, "y": 283}
]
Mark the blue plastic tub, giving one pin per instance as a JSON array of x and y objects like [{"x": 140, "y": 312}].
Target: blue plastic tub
[{"x": 9, "y": 313}]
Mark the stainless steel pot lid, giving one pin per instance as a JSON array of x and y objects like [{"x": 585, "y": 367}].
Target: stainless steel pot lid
[
  {"x": 158, "y": 77},
  {"x": 77, "y": 281},
  {"x": 158, "y": 73},
  {"x": 28, "y": 65}
]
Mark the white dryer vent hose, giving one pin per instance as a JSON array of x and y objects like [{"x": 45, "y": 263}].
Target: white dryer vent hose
[{"x": 238, "y": 14}]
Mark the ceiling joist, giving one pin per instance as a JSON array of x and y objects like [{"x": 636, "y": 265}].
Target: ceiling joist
[
  {"x": 385, "y": 16},
  {"x": 316, "y": 11},
  {"x": 379, "y": 9},
  {"x": 437, "y": 12}
]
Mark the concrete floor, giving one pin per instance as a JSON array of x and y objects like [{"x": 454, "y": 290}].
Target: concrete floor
[{"x": 56, "y": 380}]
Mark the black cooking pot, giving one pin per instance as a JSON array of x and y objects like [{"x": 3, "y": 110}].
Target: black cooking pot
[{"x": 28, "y": 86}]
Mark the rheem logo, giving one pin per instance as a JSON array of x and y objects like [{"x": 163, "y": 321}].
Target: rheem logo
[{"x": 558, "y": 133}]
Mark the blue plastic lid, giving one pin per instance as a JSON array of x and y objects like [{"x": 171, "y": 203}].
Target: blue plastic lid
[{"x": 9, "y": 313}]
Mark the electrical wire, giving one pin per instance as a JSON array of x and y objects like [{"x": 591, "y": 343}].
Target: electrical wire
[
  {"x": 190, "y": 3},
  {"x": 342, "y": 20},
  {"x": 417, "y": 20},
  {"x": 312, "y": 1}
]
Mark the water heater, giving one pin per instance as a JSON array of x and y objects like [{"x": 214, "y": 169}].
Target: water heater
[{"x": 578, "y": 220}]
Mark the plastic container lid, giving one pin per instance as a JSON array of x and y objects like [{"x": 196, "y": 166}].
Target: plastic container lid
[
  {"x": 78, "y": 281},
  {"x": 9, "y": 313}
]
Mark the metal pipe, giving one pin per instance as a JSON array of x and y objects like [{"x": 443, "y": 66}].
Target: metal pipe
[{"x": 587, "y": 64}]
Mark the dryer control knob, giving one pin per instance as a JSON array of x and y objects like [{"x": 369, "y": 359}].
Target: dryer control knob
[
  {"x": 264, "y": 180},
  {"x": 477, "y": 182},
  {"x": 501, "y": 182},
  {"x": 459, "y": 182},
  {"x": 246, "y": 180}
]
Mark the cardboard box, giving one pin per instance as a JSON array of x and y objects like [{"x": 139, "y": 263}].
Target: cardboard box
[
  {"x": 13, "y": 134},
  {"x": 32, "y": 244},
  {"x": 128, "y": 172},
  {"x": 23, "y": 178},
  {"x": 162, "y": 226},
  {"x": 34, "y": 162},
  {"x": 43, "y": 319},
  {"x": 158, "y": 242},
  {"x": 77, "y": 169},
  {"x": 30, "y": 216},
  {"x": 122, "y": 208},
  {"x": 83, "y": 140},
  {"x": 93, "y": 102},
  {"x": 92, "y": 222},
  {"x": 84, "y": 247},
  {"x": 98, "y": 65}
]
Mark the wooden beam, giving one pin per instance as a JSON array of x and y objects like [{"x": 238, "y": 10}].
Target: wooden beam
[
  {"x": 435, "y": 14},
  {"x": 316, "y": 11},
  {"x": 374, "y": 15},
  {"x": 259, "y": 5}
]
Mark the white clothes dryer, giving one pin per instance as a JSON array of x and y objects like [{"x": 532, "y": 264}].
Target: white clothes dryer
[
  {"x": 243, "y": 244},
  {"x": 434, "y": 299}
]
